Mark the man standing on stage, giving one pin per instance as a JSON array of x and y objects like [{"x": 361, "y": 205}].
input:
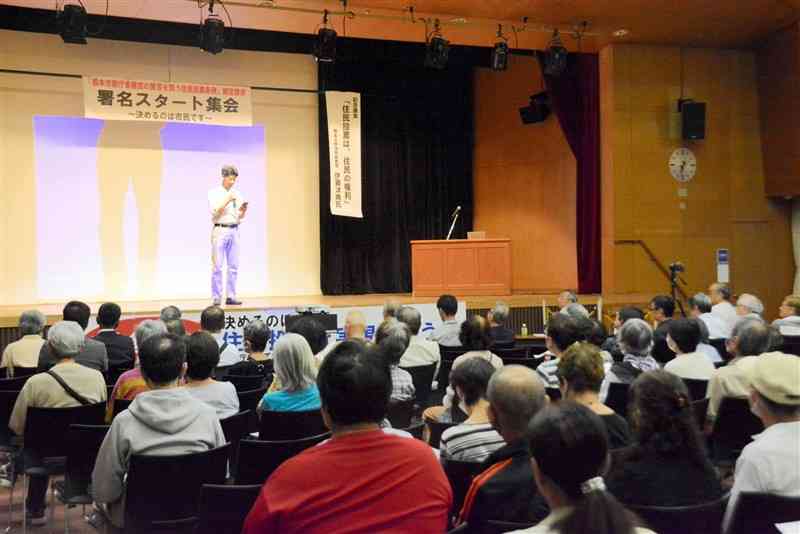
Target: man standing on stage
[{"x": 228, "y": 208}]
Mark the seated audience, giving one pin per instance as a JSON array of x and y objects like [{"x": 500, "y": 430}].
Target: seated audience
[
  {"x": 25, "y": 351},
  {"x": 574, "y": 490},
  {"x": 580, "y": 375},
  {"x": 610, "y": 345},
  {"x": 505, "y": 490},
  {"x": 683, "y": 337},
  {"x": 66, "y": 384},
  {"x": 748, "y": 305},
  {"x": 789, "y": 316},
  {"x": 202, "y": 356},
  {"x": 662, "y": 308},
  {"x": 296, "y": 372},
  {"x": 118, "y": 347},
  {"x": 420, "y": 351},
  {"x": 392, "y": 337},
  {"x": 561, "y": 332},
  {"x": 474, "y": 439},
  {"x": 710, "y": 351},
  {"x": 175, "y": 326},
  {"x": 565, "y": 298},
  {"x": 131, "y": 383},
  {"x": 720, "y": 295},
  {"x": 170, "y": 313},
  {"x": 700, "y": 308},
  {"x": 750, "y": 337},
  {"x": 313, "y": 332},
  {"x": 165, "y": 420},
  {"x": 256, "y": 336},
  {"x": 93, "y": 354},
  {"x": 447, "y": 333},
  {"x": 667, "y": 465},
  {"x": 355, "y": 327},
  {"x": 212, "y": 320},
  {"x": 497, "y": 317},
  {"x": 596, "y": 334},
  {"x": 363, "y": 478},
  {"x": 771, "y": 463},
  {"x": 576, "y": 310},
  {"x": 390, "y": 309},
  {"x": 635, "y": 338}
]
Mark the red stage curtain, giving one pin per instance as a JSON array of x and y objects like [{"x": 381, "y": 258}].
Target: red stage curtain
[{"x": 575, "y": 98}]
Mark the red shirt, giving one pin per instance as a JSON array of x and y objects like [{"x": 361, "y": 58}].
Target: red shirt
[{"x": 361, "y": 482}]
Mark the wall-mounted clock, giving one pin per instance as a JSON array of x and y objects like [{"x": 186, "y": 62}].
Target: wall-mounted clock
[{"x": 682, "y": 164}]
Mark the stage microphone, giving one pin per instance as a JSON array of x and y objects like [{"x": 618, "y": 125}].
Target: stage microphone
[{"x": 455, "y": 211}]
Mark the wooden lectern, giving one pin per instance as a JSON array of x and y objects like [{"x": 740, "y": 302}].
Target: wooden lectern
[{"x": 461, "y": 267}]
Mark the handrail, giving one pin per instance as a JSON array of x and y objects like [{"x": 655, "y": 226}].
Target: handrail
[{"x": 655, "y": 260}]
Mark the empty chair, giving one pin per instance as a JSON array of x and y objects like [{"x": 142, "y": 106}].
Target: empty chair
[
  {"x": 400, "y": 412},
  {"x": 733, "y": 429},
  {"x": 167, "y": 488},
  {"x": 422, "y": 376},
  {"x": 697, "y": 388},
  {"x": 436, "y": 428},
  {"x": 617, "y": 398},
  {"x": 704, "y": 518},
  {"x": 245, "y": 382},
  {"x": 460, "y": 475},
  {"x": 235, "y": 429},
  {"x": 248, "y": 400},
  {"x": 258, "y": 459},
  {"x": 223, "y": 508},
  {"x": 279, "y": 426},
  {"x": 758, "y": 512},
  {"x": 121, "y": 405}
]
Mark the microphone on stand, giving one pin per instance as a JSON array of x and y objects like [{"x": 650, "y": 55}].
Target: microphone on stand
[
  {"x": 454, "y": 216},
  {"x": 455, "y": 211}
]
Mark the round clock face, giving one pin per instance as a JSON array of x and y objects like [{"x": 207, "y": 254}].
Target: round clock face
[{"x": 682, "y": 164}]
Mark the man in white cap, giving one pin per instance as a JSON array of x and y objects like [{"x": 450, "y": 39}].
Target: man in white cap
[
  {"x": 228, "y": 208},
  {"x": 771, "y": 463}
]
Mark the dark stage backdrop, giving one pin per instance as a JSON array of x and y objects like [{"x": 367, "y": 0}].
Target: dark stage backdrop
[{"x": 417, "y": 141}]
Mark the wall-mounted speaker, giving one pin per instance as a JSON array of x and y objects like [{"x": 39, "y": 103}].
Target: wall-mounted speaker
[
  {"x": 693, "y": 120},
  {"x": 537, "y": 111}
]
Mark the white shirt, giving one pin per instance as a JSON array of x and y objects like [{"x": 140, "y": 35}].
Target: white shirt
[
  {"x": 788, "y": 326},
  {"x": 770, "y": 464},
  {"x": 420, "y": 351},
  {"x": 727, "y": 312},
  {"x": 693, "y": 365},
  {"x": 717, "y": 327},
  {"x": 547, "y": 525},
  {"x": 217, "y": 197},
  {"x": 447, "y": 333},
  {"x": 221, "y": 396},
  {"x": 230, "y": 355},
  {"x": 710, "y": 351}
]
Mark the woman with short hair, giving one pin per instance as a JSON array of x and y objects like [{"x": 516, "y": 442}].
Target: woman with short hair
[
  {"x": 202, "y": 356},
  {"x": 258, "y": 363}
]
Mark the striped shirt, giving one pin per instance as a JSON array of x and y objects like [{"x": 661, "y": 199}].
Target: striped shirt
[
  {"x": 547, "y": 372},
  {"x": 469, "y": 442},
  {"x": 402, "y": 384}
]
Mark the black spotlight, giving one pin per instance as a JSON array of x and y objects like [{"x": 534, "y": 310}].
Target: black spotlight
[
  {"x": 436, "y": 52},
  {"x": 500, "y": 56},
  {"x": 537, "y": 111},
  {"x": 555, "y": 57},
  {"x": 212, "y": 35},
  {"x": 72, "y": 24},
  {"x": 325, "y": 47}
]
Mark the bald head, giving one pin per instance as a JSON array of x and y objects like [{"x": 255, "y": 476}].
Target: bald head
[
  {"x": 515, "y": 394},
  {"x": 355, "y": 325}
]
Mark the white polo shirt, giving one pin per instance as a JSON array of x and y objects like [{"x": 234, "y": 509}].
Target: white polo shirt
[
  {"x": 217, "y": 197},
  {"x": 693, "y": 365}
]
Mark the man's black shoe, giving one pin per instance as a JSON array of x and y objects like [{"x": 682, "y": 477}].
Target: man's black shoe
[{"x": 233, "y": 302}]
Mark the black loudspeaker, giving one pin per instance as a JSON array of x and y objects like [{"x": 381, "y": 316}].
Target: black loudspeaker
[
  {"x": 537, "y": 111},
  {"x": 693, "y": 115}
]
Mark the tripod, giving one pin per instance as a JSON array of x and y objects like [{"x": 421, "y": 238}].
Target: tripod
[{"x": 674, "y": 277}]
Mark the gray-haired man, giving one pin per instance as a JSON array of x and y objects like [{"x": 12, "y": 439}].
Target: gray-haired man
[
  {"x": 25, "y": 351},
  {"x": 228, "y": 208}
]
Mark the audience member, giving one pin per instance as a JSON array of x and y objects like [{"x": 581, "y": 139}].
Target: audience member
[
  {"x": 497, "y": 318},
  {"x": 596, "y": 334},
  {"x": 662, "y": 308},
  {"x": 390, "y": 309},
  {"x": 748, "y": 305},
  {"x": 447, "y": 334},
  {"x": 576, "y": 310},
  {"x": 118, "y": 347},
  {"x": 296, "y": 371},
  {"x": 750, "y": 337},
  {"x": 165, "y": 420},
  {"x": 175, "y": 326},
  {"x": 25, "y": 351},
  {"x": 565, "y": 298},
  {"x": 392, "y": 337},
  {"x": 170, "y": 313},
  {"x": 635, "y": 338},
  {"x": 561, "y": 332},
  {"x": 610, "y": 345},
  {"x": 355, "y": 327},
  {"x": 474, "y": 439},
  {"x": 720, "y": 295},
  {"x": 256, "y": 336},
  {"x": 580, "y": 375},
  {"x": 66, "y": 384},
  {"x": 771, "y": 463},
  {"x": 212, "y": 320},
  {"x": 574, "y": 490},
  {"x": 788, "y": 322},
  {"x": 667, "y": 465},
  {"x": 313, "y": 332},
  {"x": 505, "y": 490},
  {"x": 420, "y": 351},
  {"x": 93, "y": 354},
  {"x": 131, "y": 383},
  {"x": 361, "y": 477},
  {"x": 700, "y": 308},
  {"x": 683, "y": 337},
  {"x": 710, "y": 351},
  {"x": 202, "y": 356}
]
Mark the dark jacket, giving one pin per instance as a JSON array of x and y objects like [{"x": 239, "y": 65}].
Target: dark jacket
[
  {"x": 93, "y": 356},
  {"x": 505, "y": 489},
  {"x": 251, "y": 367},
  {"x": 119, "y": 348},
  {"x": 502, "y": 336}
]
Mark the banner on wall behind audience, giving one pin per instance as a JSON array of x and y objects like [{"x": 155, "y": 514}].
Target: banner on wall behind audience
[
  {"x": 344, "y": 146},
  {"x": 146, "y": 100},
  {"x": 275, "y": 318}
]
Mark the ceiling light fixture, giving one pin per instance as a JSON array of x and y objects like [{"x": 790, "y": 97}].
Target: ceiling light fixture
[
  {"x": 325, "y": 47},
  {"x": 437, "y": 49},
  {"x": 72, "y": 24},
  {"x": 499, "y": 59},
  {"x": 555, "y": 57},
  {"x": 212, "y": 32},
  {"x": 622, "y": 32}
]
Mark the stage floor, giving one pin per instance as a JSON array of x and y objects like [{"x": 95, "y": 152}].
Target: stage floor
[{"x": 9, "y": 315}]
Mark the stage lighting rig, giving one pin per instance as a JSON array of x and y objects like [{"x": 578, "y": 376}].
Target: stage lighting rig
[
  {"x": 555, "y": 57},
  {"x": 325, "y": 47},
  {"x": 72, "y": 24},
  {"x": 437, "y": 49},
  {"x": 212, "y": 32},
  {"x": 500, "y": 51}
]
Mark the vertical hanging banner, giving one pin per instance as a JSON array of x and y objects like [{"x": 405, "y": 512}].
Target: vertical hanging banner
[{"x": 344, "y": 145}]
